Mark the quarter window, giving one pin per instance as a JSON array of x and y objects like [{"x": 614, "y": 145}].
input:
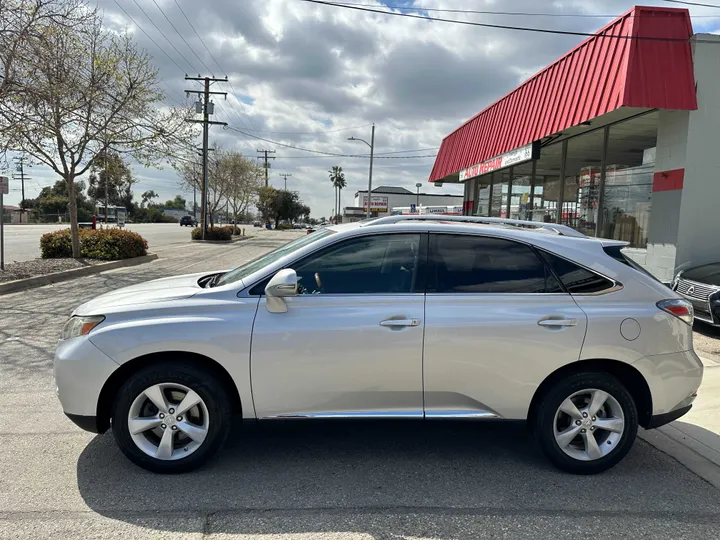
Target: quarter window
[
  {"x": 382, "y": 264},
  {"x": 576, "y": 279},
  {"x": 476, "y": 264}
]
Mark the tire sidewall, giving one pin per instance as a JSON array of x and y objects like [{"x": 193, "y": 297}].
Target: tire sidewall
[
  {"x": 545, "y": 419},
  {"x": 208, "y": 388}
]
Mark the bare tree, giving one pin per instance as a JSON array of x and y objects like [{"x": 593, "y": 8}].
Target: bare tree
[
  {"x": 87, "y": 90},
  {"x": 244, "y": 179},
  {"x": 191, "y": 174}
]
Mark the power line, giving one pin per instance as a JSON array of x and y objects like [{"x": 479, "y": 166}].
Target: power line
[
  {"x": 309, "y": 132},
  {"x": 148, "y": 36},
  {"x": 163, "y": 35},
  {"x": 198, "y": 35},
  {"x": 321, "y": 152},
  {"x": 181, "y": 37},
  {"x": 716, "y": 6},
  {"x": 497, "y": 26},
  {"x": 511, "y": 13}
]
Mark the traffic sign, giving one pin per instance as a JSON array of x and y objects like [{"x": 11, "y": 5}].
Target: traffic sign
[{"x": 4, "y": 185}]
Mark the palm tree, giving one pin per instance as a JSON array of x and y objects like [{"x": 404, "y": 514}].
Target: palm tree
[{"x": 337, "y": 177}]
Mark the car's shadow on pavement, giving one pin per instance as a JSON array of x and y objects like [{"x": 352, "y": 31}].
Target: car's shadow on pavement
[{"x": 360, "y": 477}]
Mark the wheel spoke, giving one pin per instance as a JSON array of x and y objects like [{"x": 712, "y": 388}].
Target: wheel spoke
[
  {"x": 565, "y": 437},
  {"x": 165, "y": 448},
  {"x": 138, "y": 425},
  {"x": 598, "y": 400},
  {"x": 591, "y": 446},
  {"x": 189, "y": 401},
  {"x": 615, "y": 425},
  {"x": 196, "y": 433},
  {"x": 155, "y": 394},
  {"x": 569, "y": 408}
]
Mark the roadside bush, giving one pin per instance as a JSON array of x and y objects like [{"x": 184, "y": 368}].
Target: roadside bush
[
  {"x": 213, "y": 233},
  {"x": 112, "y": 244},
  {"x": 104, "y": 244},
  {"x": 283, "y": 227}
]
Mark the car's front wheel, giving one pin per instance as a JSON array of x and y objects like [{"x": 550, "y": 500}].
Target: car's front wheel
[
  {"x": 171, "y": 418},
  {"x": 586, "y": 423}
]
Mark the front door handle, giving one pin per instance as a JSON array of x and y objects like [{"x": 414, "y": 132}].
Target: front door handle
[
  {"x": 399, "y": 323},
  {"x": 557, "y": 322}
]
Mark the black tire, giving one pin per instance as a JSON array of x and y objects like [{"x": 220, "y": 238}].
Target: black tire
[
  {"x": 212, "y": 392},
  {"x": 543, "y": 422}
]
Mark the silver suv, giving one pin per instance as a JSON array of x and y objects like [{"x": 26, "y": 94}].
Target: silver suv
[{"x": 444, "y": 318}]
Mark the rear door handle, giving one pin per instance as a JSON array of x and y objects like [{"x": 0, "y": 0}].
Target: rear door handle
[
  {"x": 399, "y": 323},
  {"x": 557, "y": 322}
]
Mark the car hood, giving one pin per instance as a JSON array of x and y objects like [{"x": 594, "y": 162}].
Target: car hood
[
  {"x": 708, "y": 273},
  {"x": 158, "y": 290}
]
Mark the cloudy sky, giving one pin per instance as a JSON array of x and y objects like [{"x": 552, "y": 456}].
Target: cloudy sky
[{"x": 311, "y": 76}]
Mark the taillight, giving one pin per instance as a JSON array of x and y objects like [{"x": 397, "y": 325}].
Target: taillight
[{"x": 682, "y": 309}]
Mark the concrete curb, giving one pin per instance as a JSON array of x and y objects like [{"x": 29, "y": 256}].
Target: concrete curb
[
  {"x": 39, "y": 281},
  {"x": 685, "y": 451},
  {"x": 231, "y": 241}
]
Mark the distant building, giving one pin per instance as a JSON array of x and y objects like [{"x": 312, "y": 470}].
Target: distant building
[
  {"x": 385, "y": 198},
  {"x": 13, "y": 215}
]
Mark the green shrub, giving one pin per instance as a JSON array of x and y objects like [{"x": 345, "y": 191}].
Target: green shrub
[
  {"x": 213, "y": 233},
  {"x": 104, "y": 244},
  {"x": 56, "y": 245},
  {"x": 283, "y": 227}
]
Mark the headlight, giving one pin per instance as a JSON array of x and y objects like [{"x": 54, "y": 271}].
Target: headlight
[
  {"x": 676, "y": 280},
  {"x": 80, "y": 326}
]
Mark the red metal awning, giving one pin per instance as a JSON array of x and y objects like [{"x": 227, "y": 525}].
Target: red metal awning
[{"x": 600, "y": 75}]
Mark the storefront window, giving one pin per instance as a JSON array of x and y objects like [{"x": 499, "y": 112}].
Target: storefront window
[
  {"x": 628, "y": 180},
  {"x": 521, "y": 184},
  {"x": 582, "y": 182},
  {"x": 482, "y": 196}
]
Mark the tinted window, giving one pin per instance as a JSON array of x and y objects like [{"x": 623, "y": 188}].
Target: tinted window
[
  {"x": 475, "y": 264},
  {"x": 382, "y": 264},
  {"x": 577, "y": 280}
]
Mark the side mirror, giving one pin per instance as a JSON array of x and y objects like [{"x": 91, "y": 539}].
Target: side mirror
[{"x": 282, "y": 284}]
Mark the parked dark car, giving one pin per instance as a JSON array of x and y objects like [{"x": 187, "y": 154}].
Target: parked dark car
[
  {"x": 188, "y": 220},
  {"x": 701, "y": 285}
]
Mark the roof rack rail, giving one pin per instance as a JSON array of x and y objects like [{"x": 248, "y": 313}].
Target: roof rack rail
[{"x": 556, "y": 228}]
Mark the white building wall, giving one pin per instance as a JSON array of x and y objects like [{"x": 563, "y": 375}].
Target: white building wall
[{"x": 395, "y": 201}]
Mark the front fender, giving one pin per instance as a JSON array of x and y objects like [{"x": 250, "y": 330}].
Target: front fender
[{"x": 221, "y": 333}]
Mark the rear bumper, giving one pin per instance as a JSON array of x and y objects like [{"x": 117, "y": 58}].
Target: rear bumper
[
  {"x": 661, "y": 419},
  {"x": 673, "y": 380}
]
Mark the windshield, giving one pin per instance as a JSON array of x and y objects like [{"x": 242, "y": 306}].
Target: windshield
[{"x": 253, "y": 266}]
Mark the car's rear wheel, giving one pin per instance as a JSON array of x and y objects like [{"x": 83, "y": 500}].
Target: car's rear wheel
[
  {"x": 586, "y": 423},
  {"x": 171, "y": 418}
]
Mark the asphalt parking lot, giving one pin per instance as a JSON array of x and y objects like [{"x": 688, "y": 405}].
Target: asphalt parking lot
[{"x": 300, "y": 481}]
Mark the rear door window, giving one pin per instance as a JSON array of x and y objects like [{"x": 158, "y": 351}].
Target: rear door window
[{"x": 478, "y": 264}]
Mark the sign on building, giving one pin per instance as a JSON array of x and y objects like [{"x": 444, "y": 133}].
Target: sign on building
[
  {"x": 503, "y": 161},
  {"x": 378, "y": 203}
]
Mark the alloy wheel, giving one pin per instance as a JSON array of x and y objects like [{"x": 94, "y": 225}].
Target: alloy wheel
[
  {"x": 168, "y": 421},
  {"x": 589, "y": 424}
]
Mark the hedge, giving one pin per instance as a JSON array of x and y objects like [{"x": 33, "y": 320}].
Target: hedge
[
  {"x": 283, "y": 227},
  {"x": 213, "y": 233},
  {"x": 105, "y": 244}
]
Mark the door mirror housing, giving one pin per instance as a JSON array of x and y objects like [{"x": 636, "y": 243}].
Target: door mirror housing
[{"x": 282, "y": 284}]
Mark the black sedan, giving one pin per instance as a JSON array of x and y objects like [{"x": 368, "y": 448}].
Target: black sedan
[{"x": 701, "y": 286}]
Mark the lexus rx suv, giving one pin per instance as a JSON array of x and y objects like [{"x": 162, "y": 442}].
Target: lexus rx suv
[{"x": 413, "y": 317}]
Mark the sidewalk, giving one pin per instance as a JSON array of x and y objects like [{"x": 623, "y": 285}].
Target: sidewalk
[{"x": 694, "y": 439}]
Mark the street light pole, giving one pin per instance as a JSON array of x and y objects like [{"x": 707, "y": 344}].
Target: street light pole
[
  {"x": 371, "y": 144},
  {"x": 417, "y": 201}
]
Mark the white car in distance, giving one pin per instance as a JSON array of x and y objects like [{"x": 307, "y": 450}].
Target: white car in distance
[{"x": 400, "y": 317}]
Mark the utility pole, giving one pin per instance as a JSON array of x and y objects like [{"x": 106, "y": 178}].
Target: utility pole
[
  {"x": 267, "y": 165},
  {"x": 206, "y": 108},
  {"x": 285, "y": 176},
  {"x": 371, "y": 144},
  {"x": 20, "y": 168}
]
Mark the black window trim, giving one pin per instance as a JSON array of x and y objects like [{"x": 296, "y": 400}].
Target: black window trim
[
  {"x": 616, "y": 285},
  {"x": 422, "y": 261},
  {"x": 532, "y": 247}
]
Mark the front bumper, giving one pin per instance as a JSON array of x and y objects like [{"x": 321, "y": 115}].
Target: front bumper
[{"x": 81, "y": 370}]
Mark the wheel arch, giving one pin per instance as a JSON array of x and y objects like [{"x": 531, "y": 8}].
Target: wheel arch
[
  {"x": 127, "y": 369},
  {"x": 628, "y": 375}
]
